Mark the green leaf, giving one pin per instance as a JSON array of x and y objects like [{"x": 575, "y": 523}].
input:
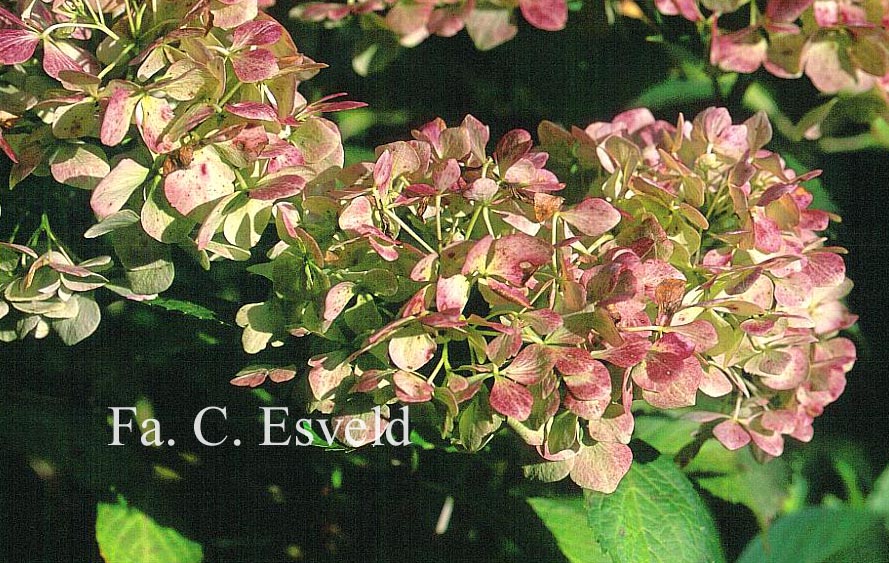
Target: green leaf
[
  {"x": 819, "y": 534},
  {"x": 152, "y": 279},
  {"x": 379, "y": 282},
  {"x": 676, "y": 91},
  {"x": 363, "y": 317},
  {"x": 377, "y": 49},
  {"x": 161, "y": 221},
  {"x": 666, "y": 434},
  {"x": 655, "y": 515},
  {"x": 127, "y": 535},
  {"x": 372, "y": 57},
  {"x": 563, "y": 434},
  {"x": 185, "y": 307},
  {"x": 878, "y": 501},
  {"x": 113, "y": 191},
  {"x": 548, "y": 471},
  {"x": 567, "y": 520},
  {"x": 737, "y": 477},
  {"x": 81, "y": 166},
  {"x": 812, "y": 118}
]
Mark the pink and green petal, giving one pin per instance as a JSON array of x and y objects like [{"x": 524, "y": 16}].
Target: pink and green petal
[
  {"x": 413, "y": 351},
  {"x": 511, "y": 399},
  {"x": 602, "y": 466}
]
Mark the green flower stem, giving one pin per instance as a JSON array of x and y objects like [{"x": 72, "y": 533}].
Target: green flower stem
[
  {"x": 553, "y": 239},
  {"x": 737, "y": 412},
  {"x": 649, "y": 328},
  {"x": 96, "y": 16},
  {"x": 479, "y": 377},
  {"x": 720, "y": 193},
  {"x": 241, "y": 182},
  {"x": 52, "y": 242},
  {"x": 66, "y": 25},
  {"x": 438, "y": 221},
  {"x": 443, "y": 362},
  {"x": 472, "y": 221},
  {"x": 117, "y": 59},
  {"x": 487, "y": 215},
  {"x": 151, "y": 30},
  {"x": 130, "y": 19},
  {"x": 228, "y": 95},
  {"x": 15, "y": 231},
  {"x": 409, "y": 231},
  {"x": 546, "y": 285},
  {"x": 485, "y": 167},
  {"x": 555, "y": 263},
  {"x": 528, "y": 335}
]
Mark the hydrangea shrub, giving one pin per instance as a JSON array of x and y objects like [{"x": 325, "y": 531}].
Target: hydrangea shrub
[
  {"x": 840, "y": 45},
  {"x": 488, "y": 24},
  {"x": 556, "y": 287},
  {"x": 686, "y": 264},
  {"x": 181, "y": 119}
]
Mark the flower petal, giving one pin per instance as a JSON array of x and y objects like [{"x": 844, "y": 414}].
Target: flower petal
[
  {"x": 17, "y": 45},
  {"x": 206, "y": 179},
  {"x": 529, "y": 365},
  {"x": 113, "y": 191},
  {"x": 602, "y": 466},
  {"x": 511, "y": 399},
  {"x": 592, "y": 216},
  {"x": 549, "y": 15},
  {"x": 411, "y": 388},
  {"x": 255, "y": 66},
  {"x": 412, "y": 352},
  {"x": 257, "y": 32},
  {"x": 585, "y": 377},
  {"x": 731, "y": 435}
]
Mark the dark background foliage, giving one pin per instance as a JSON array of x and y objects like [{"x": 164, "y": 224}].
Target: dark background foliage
[{"x": 285, "y": 504}]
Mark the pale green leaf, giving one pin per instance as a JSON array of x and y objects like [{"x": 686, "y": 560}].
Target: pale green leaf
[
  {"x": 878, "y": 501},
  {"x": 676, "y": 91},
  {"x": 119, "y": 220},
  {"x": 377, "y": 49},
  {"x": 666, "y": 434},
  {"x": 654, "y": 516},
  {"x": 161, "y": 221},
  {"x": 548, "y": 471},
  {"x": 821, "y": 534},
  {"x": 813, "y": 119},
  {"x": 735, "y": 476},
  {"x": 319, "y": 141},
  {"x": 566, "y": 518},
  {"x": 148, "y": 264},
  {"x": 127, "y": 535},
  {"x": 185, "y": 307},
  {"x": 73, "y": 330}
]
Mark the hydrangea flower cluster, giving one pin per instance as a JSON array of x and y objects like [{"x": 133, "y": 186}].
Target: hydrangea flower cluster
[
  {"x": 841, "y": 45},
  {"x": 183, "y": 121},
  {"x": 683, "y": 270},
  {"x": 489, "y": 24}
]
